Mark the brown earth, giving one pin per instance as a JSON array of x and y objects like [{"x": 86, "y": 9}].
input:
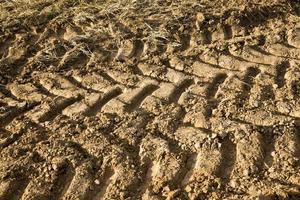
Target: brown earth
[{"x": 149, "y": 100}]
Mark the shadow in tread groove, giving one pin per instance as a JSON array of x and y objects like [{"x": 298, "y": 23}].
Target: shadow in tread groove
[
  {"x": 214, "y": 86},
  {"x": 228, "y": 152},
  {"x": 57, "y": 109},
  {"x": 106, "y": 98},
  {"x": 281, "y": 70},
  {"x": 66, "y": 175},
  {"x": 248, "y": 80},
  {"x": 146, "y": 181},
  {"x": 13, "y": 190},
  {"x": 13, "y": 113},
  {"x": 180, "y": 88},
  {"x": 136, "y": 102},
  {"x": 106, "y": 179}
]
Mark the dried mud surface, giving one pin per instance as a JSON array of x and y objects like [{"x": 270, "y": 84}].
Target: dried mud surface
[{"x": 150, "y": 100}]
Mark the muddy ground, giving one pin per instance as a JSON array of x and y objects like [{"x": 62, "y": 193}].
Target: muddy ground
[{"x": 149, "y": 99}]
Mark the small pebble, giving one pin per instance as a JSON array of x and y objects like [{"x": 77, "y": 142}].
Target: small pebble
[{"x": 97, "y": 182}]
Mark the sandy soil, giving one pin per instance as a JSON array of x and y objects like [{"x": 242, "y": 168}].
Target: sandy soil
[{"x": 149, "y": 100}]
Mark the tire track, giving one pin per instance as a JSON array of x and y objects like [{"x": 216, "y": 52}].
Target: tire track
[{"x": 187, "y": 155}]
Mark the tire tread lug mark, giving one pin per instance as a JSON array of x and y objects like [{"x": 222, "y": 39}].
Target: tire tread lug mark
[
  {"x": 203, "y": 98},
  {"x": 130, "y": 99},
  {"x": 9, "y": 138},
  {"x": 203, "y": 171},
  {"x": 78, "y": 84},
  {"x": 137, "y": 99},
  {"x": 143, "y": 190},
  {"x": 59, "y": 86},
  {"x": 74, "y": 166},
  {"x": 228, "y": 161},
  {"x": 248, "y": 80},
  {"x": 164, "y": 92},
  {"x": 165, "y": 74},
  {"x": 294, "y": 38},
  {"x": 15, "y": 112},
  {"x": 105, "y": 98},
  {"x": 24, "y": 56},
  {"x": 227, "y": 62},
  {"x": 237, "y": 89},
  {"x": 117, "y": 172},
  {"x": 26, "y": 92},
  {"x": 286, "y": 153},
  {"x": 269, "y": 119},
  {"x": 79, "y": 183},
  {"x": 95, "y": 81},
  {"x": 180, "y": 88},
  {"x": 281, "y": 70},
  {"x": 249, "y": 153},
  {"x": 83, "y": 106},
  {"x": 75, "y": 56},
  {"x": 174, "y": 76},
  {"x": 150, "y": 70},
  {"x": 47, "y": 111},
  {"x": 204, "y": 70},
  {"x": 204, "y": 148},
  {"x": 284, "y": 51},
  {"x": 106, "y": 179},
  {"x": 211, "y": 92},
  {"x": 191, "y": 163},
  {"x": 124, "y": 78},
  {"x": 256, "y": 55},
  {"x": 190, "y": 138},
  {"x": 262, "y": 90},
  {"x": 213, "y": 87},
  {"x": 160, "y": 171},
  {"x": 49, "y": 187},
  {"x": 120, "y": 173}
]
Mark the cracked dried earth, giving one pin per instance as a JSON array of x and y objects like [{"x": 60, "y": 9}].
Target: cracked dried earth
[{"x": 150, "y": 100}]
